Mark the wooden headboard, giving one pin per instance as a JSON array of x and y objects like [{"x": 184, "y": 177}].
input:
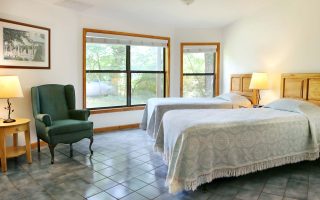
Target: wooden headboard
[
  {"x": 301, "y": 86},
  {"x": 240, "y": 85}
]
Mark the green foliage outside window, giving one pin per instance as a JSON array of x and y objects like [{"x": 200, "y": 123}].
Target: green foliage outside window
[
  {"x": 198, "y": 85},
  {"x": 110, "y": 89}
]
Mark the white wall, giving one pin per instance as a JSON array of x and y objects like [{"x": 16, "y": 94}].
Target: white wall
[
  {"x": 281, "y": 39},
  {"x": 66, "y": 53}
]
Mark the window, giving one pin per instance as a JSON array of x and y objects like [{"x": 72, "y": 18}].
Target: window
[
  {"x": 123, "y": 71},
  {"x": 199, "y": 69}
]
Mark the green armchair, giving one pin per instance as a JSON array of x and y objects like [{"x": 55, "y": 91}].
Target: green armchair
[{"x": 56, "y": 119}]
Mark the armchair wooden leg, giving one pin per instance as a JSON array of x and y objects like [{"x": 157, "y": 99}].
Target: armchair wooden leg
[
  {"x": 71, "y": 151},
  {"x": 38, "y": 143},
  {"x": 51, "y": 147},
  {"x": 91, "y": 141}
]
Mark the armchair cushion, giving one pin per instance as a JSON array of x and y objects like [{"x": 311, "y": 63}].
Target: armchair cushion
[
  {"x": 53, "y": 101},
  {"x": 79, "y": 114},
  {"x": 60, "y": 127},
  {"x": 45, "y": 118}
]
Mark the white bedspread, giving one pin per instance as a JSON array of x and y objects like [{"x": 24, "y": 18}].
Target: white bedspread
[
  {"x": 202, "y": 145},
  {"x": 156, "y": 107}
]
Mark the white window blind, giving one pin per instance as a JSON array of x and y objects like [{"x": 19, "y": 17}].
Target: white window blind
[
  {"x": 124, "y": 40},
  {"x": 200, "y": 49}
]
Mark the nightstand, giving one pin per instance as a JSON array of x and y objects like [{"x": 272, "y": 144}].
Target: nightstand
[{"x": 20, "y": 125}]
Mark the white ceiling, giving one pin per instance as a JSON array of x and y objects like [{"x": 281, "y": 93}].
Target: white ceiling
[{"x": 200, "y": 14}]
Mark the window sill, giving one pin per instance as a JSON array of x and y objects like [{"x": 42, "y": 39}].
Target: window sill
[{"x": 111, "y": 110}]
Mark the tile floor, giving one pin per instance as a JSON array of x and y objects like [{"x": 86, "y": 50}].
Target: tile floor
[{"x": 124, "y": 167}]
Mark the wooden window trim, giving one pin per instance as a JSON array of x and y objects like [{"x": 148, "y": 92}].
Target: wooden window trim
[
  {"x": 121, "y": 109},
  {"x": 129, "y": 108},
  {"x": 217, "y": 64}
]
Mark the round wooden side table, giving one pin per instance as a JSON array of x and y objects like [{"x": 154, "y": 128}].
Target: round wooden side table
[{"x": 20, "y": 125}]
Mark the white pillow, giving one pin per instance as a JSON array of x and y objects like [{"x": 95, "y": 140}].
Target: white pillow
[
  {"x": 236, "y": 99},
  {"x": 291, "y": 105}
]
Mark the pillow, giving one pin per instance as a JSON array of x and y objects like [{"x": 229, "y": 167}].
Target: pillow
[
  {"x": 291, "y": 105},
  {"x": 236, "y": 99}
]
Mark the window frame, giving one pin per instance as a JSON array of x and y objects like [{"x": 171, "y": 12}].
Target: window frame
[
  {"x": 216, "y": 73},
  {"x": 127, "y": 71}
]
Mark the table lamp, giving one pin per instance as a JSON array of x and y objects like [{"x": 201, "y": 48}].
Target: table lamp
[
  {"x": 259, "y": 81},
  {"x": 10, "y": 88}
]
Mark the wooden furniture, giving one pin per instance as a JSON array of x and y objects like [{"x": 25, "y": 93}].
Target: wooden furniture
[
  {"x": 301, "y": 86},
  {"x": 21, "y": 125},
  {"x": 239, "y": 83}
]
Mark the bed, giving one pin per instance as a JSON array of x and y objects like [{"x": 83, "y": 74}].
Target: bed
[
  {"x": 217, "y": 143},
  {"x": 155, "y": 108}
]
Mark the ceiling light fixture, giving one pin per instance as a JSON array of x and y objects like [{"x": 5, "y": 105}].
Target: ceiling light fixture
[{"x": 187, "y": 2}]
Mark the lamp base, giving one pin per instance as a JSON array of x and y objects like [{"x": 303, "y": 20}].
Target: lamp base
[{"x": 9, "y": 120}]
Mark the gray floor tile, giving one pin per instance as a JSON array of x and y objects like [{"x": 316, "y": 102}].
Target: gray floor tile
[
  {"x": 274, "y": 189},
  {"x": 71, "y": 195},
  {"x": 105, "y": 184},
  {"x": 248, "y": 194},
  {"x": 227, "y": 190},
  {"x": 119, "y": 191},
  {"x": 58, "y": 189},
  {"x": 312, "y": 195},
  {"x": 39, "y": 196},
  {"x": 102, "y": 196},
  {"x": 110, "y": 171},
  {"x": 253, "y": 185},
  {"x": 297, "y": 189},
  {"x": 124, "y": 166},
  {"x": 314, "y": 179},
  {"x": 265, "y": 196},
  {"x": 99, "y": 166},
  {"x": 134, "y": 184},
  {"x": 165, "y": 196},
  {"x": 122, "y": 177},
  {"x": 94, "y": 177},
  {"x": 221, "y": 197},
  {"x": 134, "y": 196},
  {"x": 146, "y": 167},
  {"x": 148, "y": 178},
  {"x": 11, "y": 194},
  {"x": 200, "y": 194},
  {"x": 149, "y": 192},
  {"x": 89, "y": 191},
  {"x": 278, "y": 181}
]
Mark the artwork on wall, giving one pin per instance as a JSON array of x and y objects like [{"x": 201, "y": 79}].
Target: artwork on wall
[{"x": 24, "y": 46}]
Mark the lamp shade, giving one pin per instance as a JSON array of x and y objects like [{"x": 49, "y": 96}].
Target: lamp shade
[
  {"x": 259, "y": 81},
  {"x": 10, "y": 87}
]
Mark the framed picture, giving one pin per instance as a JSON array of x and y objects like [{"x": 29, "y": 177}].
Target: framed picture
[{"x": 24, "y": 46}]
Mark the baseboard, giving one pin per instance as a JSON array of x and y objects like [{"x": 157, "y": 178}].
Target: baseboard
[
  {"x": 35, "y": 144},
  {"x": 115, "y": 128}
]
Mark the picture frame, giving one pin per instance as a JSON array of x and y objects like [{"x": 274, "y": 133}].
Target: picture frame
[{"x": 24, "y": 46}]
